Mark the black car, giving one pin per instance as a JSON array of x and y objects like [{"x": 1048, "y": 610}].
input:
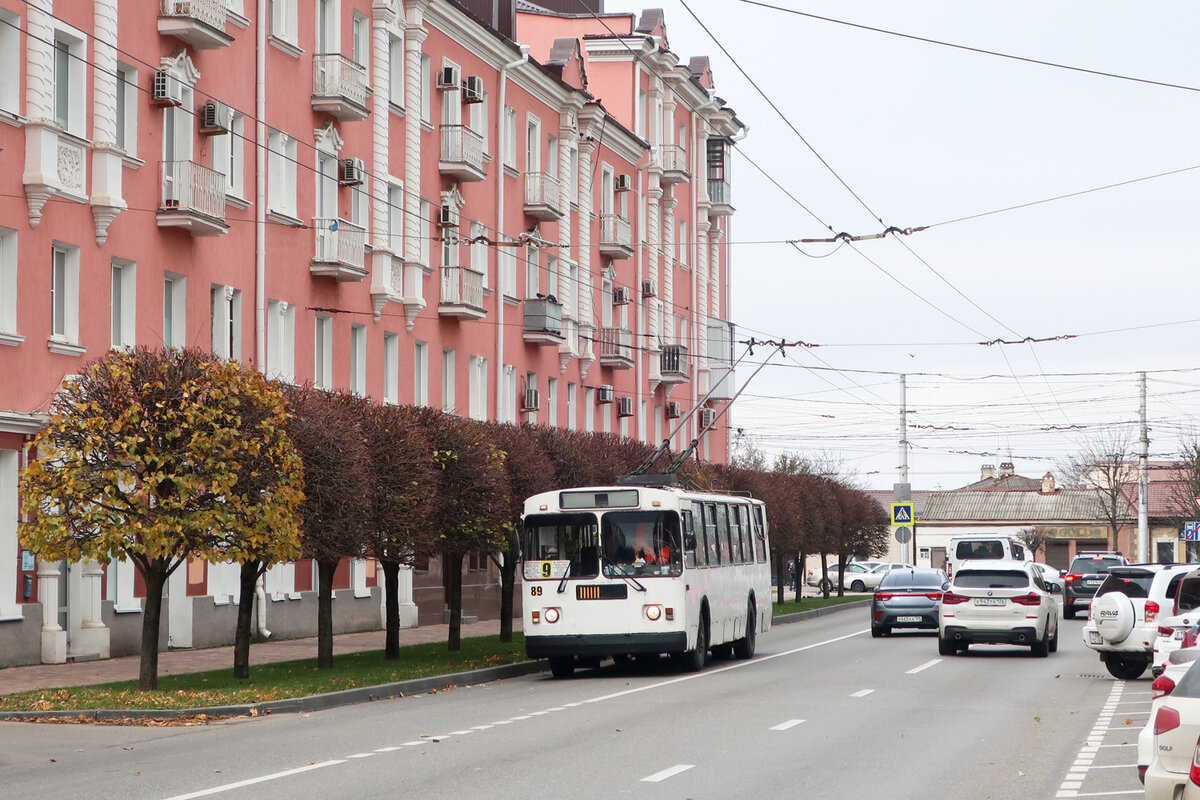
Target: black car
[
  {"x": 907, "y": 598},
  {"x": 1084, "y": 577}
]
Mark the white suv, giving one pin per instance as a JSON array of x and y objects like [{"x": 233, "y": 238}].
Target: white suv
[
  {"x": 998, "y": 602},
  {"x": 1123, "y": 619}
]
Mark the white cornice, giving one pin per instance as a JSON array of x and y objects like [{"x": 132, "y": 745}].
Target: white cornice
[{"x": 27, "y": 424}]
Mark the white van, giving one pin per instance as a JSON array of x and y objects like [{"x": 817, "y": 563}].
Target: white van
[{"x": 990, "y": 546}]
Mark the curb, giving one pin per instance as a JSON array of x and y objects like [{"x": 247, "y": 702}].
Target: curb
[{"x": 365, "y": 694}]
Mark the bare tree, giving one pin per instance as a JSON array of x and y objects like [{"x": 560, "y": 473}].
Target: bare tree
[
  {"x": 1103, "y": 465},
  {"x": 1032, "y": 538}
]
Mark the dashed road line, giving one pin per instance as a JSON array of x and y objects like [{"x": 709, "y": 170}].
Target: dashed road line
[
  {"x": 670, "y": 772},
  {"x": 791, "y": 723},
  {"x": 863, "y": 692},
  {"x": 924, "y": 666}
]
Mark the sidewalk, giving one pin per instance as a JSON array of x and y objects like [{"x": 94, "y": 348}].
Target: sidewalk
[{"x": 175, "y": 662}]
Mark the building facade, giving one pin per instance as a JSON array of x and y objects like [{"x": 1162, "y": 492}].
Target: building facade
[{"x": 420, "y": 201}]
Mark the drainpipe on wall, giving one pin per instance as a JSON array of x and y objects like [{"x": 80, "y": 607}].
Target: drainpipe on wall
[
  {"x": 260, "y": 191},
  {"x": 502, "y": 145}
]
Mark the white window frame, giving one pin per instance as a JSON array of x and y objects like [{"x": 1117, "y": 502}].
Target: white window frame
[
  {"x": 572, "y": 391},
  {"x": 226, "y": 321},
  {"x": 425, "y": 224},
  {"x": 284, "y": 17},
  {"x": 8, "y": 288},
  {"x": 391, "y": 368},
  {"x": 174, "y": 310},
  {"x": 396, "y": 71},
  {"x": 395, "y": 216},
  {"x": 229, "y": 155},
  {"x": 478, "y": 252},
  {"x": 506, "y": 403},
  {"x": 420, "y": 373},
  {"x": 10, "y": 461},
  {"x": 281, "y": 340},
  {"x": 510, "y": 137},
  {"x": 127, "y": 108},
  {"x": 10, "y": 61},
  {"x": 477, "y": 120},
  {"x": 70, "y": 79},
  {"x": 533, "y": 144},
  {"x": 531, "y": 382},
  {"x": 589, "y": 409},
  {"x": 323, "y": 351},
  {"x": 360, "y": 205},
  {"x": 358, "y": 359},
  {"x": 426, "y": 89},
  {"x": 123, "y": 304},
  {"x": 507, "y": 259},
  {"x": 477, "y": 388},
  {"x": 533, "y": 269},
  {"x": 281, "y": 174},
  {"x": 360, "y": 40},
  {"x": 552, "y": 402},
  {"x": 64, "y": 292},
  {"x": 448, "y": 402},
  {"x": 451, "y": 99}
]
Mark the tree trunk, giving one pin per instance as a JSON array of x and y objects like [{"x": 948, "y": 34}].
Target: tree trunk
[
  {"x": 452, "y": 563},
  {"x": 247, "y": 578},
  {"x": 779, "y": 568},
  {"x": 391, "y": 608},
  {"x": 325, "y": 570},
  {"x": 799, "y": 575},
  {"x": 824, "y": 574},
  {"x": 508, "y": 586},
  {"x": 155, "y": 575},
  {"x": 841, "y": 571}
]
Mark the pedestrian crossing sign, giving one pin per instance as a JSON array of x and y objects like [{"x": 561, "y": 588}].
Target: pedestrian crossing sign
[{"x": 902, "y": 513}]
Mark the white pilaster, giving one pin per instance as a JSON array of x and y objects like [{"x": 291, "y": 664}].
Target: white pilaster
[
  {"x": 92, "y": 637},
  {"x": 107, "y": 168},
  {"x": 54, "y": 638},
  {"x": 414, "y": 228}
]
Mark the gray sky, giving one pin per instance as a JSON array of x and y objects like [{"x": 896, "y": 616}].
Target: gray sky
[{"x": 925, "y": 135}]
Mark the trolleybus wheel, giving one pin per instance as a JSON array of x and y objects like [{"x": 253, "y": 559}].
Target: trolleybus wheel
[
  {"x": 694, "y": 660},
  {"x": 744, "y": 648},
  {"x": 562, "y": 666}
]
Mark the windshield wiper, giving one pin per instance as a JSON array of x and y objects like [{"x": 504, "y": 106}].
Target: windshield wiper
[
  {"x": 621, "y": 573},
  {"x": 562, "y": 585}
]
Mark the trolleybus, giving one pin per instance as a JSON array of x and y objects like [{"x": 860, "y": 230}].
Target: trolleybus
[{"x": 621, "y": 571}]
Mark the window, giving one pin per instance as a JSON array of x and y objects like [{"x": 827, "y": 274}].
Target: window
[
  {"x": 448, "y": 380},
  {"x": 421, "y": 374},
  {"x": 451, "y": 101},
  {"x": 281, "y": 174},
  {"x": 283, "y": 20},
  {"x": 424, "y": 224},
  {"x": 64, "y": 318},
  {"x": 391, "y": 368},
  {"x": 533, "y": 140},
  {"x": 281, "y": 340},
  {"x": 10, "y": 61},
  {"x": 478, "y": 120},
  {"x": 326, "y": 195},
  {"x": 395, "y": 217},
  {"x": 510, "y": 137},
  {"x": 127, "y": 106},
  {"x": 396, "y": 71},
  {"x": 451, "y": 257},
  {"x": 571, "y": 390},
  {"x": 571, "y": 180},
  {"x": 551, "y": 403},
  {"x": 552, "y": 156},
  {"x": 507, "y": 259},
  {"x": 323, "y": 352},
  {"x": 360, "y": 40},
  {"x": 589, "y": 409},
  {"x": 124, "y": 304},
  {"x": 174, "y": 310},
  {"x": 328, "y": 28},
  {"x": 226, "y": 322},
  {"x": 360, "y": 208},
  {"x": 8, "y": 286},
  {"x": 477, "y": 377},
  {"x": 479, "y": 250},
  {"x": 358, "y": 359},
  {"x": 229, "y": 154},
  {"x": 552, "y": 276},
  {"x": 639, "y": 113},
  {"x": 506, "y": 403},
  {"x": 426, "y": 89},
  {"x": 70, "y": 81},
  {"x": 683, "y": 244},
  {"x": 532, "y": 270}
]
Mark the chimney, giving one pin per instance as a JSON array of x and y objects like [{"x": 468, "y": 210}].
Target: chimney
[
  {"x": 1047, "y": 484},
  {"x": 1006, "y": 469},
  {"x": 988, "y": 472}
]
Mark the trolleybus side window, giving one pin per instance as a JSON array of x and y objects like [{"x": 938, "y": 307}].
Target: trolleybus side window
[
  {"x": 712, "y": 546},
  {"x": 735, "y": 536},
  {"x": 760, "y": 534},
  {"x": 560, "y": 544},
  {"x": 689, "y": 538},
  {"x": 747, "y": 536},
  {"x": 723, "y": 533}
]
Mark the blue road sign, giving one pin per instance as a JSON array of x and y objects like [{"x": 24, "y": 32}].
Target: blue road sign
[
  {"x": 902, "y": 513},
  {"x": 1191, "y": 531}
]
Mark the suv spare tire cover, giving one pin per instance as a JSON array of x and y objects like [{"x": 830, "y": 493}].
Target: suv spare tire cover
[{"x": 1113, "y": 614}]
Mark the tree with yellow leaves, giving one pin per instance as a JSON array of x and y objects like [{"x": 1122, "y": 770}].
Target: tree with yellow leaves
[{"x": 160, "y": 456}]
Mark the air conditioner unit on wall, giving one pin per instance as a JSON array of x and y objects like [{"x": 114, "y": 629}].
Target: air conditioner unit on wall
[
  {"x": 624, "y": 183},
  {"x": 708, "y": 417},
  {"x": 673, "y": 411},
  {"x": 448, "y": 217},
  {"x": 604, "y": 394},
  {"x": 168, "y": 90},
  {"x": 472, "y": 89},
  {"x": 532, "y": 401},
  {"x": 649, "y": 288},
  {"x": 352, "y": 172},
  {"x": 448, "y": 78},
  {"x": 625, "y": 407},
  {"x": 620, "y": 296},
  {"x": 214, "y": 118}
]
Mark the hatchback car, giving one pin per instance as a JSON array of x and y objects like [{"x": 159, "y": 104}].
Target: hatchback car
[
  {"x": 1173, "y": 772},
  {"x": 1177, "y": 666},
  {"x": 998, "y": 602},
  {"x": 907, "y": 597},
  {"x": 1123, "y": 619},
  {"x": 1174, "y": 624},
  {"x": 1084, "y": 577}
]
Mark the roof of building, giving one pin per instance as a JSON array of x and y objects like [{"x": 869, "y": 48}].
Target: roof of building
[
  {"x": 961, "y": 505},
  {"x": 1004, "y": 483},
  {"x": 1164, "y": 499},
  {"x": 885, "y": 498}
]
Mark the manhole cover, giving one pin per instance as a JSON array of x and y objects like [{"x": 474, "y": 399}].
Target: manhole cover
[{"x": 1086, "y": 675}]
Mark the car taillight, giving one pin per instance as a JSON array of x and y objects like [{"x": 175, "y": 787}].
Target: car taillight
[
  {"x": 934, "y": 595},
  {"x": 1167, "y": 719},
  {"x": 1162, "y": 686},
  {"x": 884, "y": 595},
  {"x": 1031, "y": 599},
  {"x": 1072, "y": 578},
  {"x": 952, "y": 599},
  {"x": 1194, "y": 772},
  {"x": 1151, "y": 611},
  {"x": 1163, "y": 630}
]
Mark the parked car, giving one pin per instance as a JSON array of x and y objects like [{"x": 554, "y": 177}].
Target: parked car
[
  {"x": 856, "y": 577},
  {"x": 1050, "y": 574},
  {"x": 813, "y": 576},
  {"x": 1123, "y": 621},
  {"x": 1172, "y": 772},
  {"x": 998, "y": 602},
  {"x": 907, "y": 597},
  {"x": 1084, "y": 577},
  {"x": 1172, "y": 627},
  {"x": 1177, "y": 666},
  {"x": 979, "y": 547}
]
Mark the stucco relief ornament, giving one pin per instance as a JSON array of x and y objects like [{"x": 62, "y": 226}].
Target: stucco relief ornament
[{"x": 70, "y": 166}]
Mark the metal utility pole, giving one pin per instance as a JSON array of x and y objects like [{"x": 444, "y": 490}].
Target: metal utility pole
[
  {"x": 1143, "y": 543},
  {"x": 902, "y": 491}
]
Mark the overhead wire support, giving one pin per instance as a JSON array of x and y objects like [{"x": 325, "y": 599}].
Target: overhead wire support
[{"x": 845, "y": 237}]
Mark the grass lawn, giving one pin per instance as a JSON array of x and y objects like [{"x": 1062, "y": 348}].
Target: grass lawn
[
  {"x": 276, "y": 681},
  {"x": 809, "y": 603}
]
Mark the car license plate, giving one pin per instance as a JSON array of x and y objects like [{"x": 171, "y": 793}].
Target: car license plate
[
  {"x": 990, "y": 601},
  {"x": 1092, "y": 583},
  {"x": 908, "y": 619},
  {"x": 1178, "y": 633},
  {"x": 1094, "y": 637}
]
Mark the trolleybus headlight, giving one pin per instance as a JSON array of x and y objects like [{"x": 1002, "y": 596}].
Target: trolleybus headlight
[
  {"x": 653, "y": 613},
  {"x": 551, "y": 615}
]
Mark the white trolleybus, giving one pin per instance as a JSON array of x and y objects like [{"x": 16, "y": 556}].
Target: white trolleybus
[{"x": 621, "y": 571}]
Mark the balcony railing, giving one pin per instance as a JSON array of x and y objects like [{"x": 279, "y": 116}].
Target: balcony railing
[
  {"x": 200, "y": 23},
  {"x": 193, "y": 197},
  {"x": 616, "y": 240},
  {"x": 339, "y": 249},
  {"x": 462, "y": 153},
  {"x": 673, "y": 363},
  {"x": 720, "y": 195},
  {"x": 543, "y": 322},
  {"x": 462, "y": 293},
  {"x": 674, "y": 164},
  {"x": 340, "y": 87},
  {"x": 616, "y": 347},
  {"x": 543, "y": 195}
]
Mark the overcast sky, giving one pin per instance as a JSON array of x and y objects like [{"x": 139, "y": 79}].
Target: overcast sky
[{"x": 915, "y": 133}]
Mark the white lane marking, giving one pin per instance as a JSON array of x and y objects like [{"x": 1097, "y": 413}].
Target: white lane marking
[
  {"x": 480, "y": 727},
  {"x": 924, "y": 666},
  {"x": 261, "y": 779},
  {"x": 667, "y": 773},
  {"x": 863, "y": 692},
  {"x": 1078, "y": 772},
  {"x": 502, "y": 722},
  {"x": 783, "y": 726},
  {"x": 416, "y": 743},
  {"x": 524, "y": 717},
  {"x": 1103, "y": 794},
  {"x": 387, "y": 749},
  {"x": 361, "y": 755}
]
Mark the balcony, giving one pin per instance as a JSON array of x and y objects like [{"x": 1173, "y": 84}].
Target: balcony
[
  {"x": 462, "y": 293},
  {"x": 543, "y": 322},
  {"x": 721, "y": 198},
  {"x": 340, "y": 250},
  {"x": 339, "y": 87},
  {"x": 543, "y": 196},
  {"x": 193, "y": 198},
  {"x": 200, "y": 23},
  {"x": 616, "y": 241},
  {"x": 674, "y": 164},
  {"x": 673, "y": 363},
  {"x": 616, "y": 348},
  {"x": 462, "y": 153}
]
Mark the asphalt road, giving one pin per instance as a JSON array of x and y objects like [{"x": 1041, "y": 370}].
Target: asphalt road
[{"x": 823, "y": 711}]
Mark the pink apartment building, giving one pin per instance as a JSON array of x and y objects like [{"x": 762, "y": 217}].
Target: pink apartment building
[{"x": 510, "y": 211}]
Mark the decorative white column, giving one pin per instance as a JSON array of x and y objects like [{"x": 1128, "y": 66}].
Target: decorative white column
[
  {"x": 404, "y": 593},
  {"x": 381, "y": 256},
  {"x": 414, "y": 226},
  {"x": 585, "y": 217},
  {"x": 107, "y": 167},
  {"x": 41, "y": 131},
  {"x": 92, "y": 638},
  {"x": 54, "y": 638}
]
